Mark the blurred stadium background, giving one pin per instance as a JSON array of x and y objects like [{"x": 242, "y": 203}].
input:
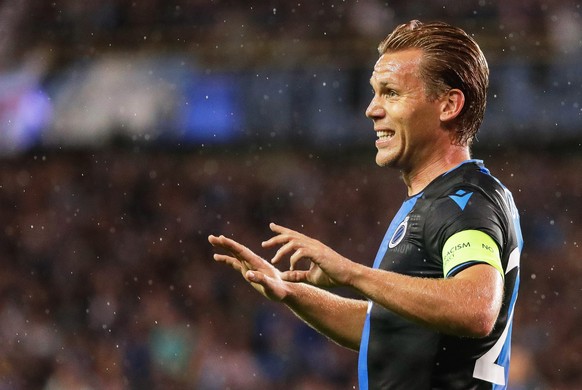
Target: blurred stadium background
[{"x": 130, "y": 130}]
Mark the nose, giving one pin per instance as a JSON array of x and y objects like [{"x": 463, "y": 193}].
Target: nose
[{"x": 375, "y": 109}]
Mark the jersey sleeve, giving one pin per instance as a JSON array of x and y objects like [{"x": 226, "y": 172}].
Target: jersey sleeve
[{"x": 465, "y": 228}]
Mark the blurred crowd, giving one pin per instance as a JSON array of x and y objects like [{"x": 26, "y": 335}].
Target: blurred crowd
[
  {"x": 249, "y": 32},
  {"x": 81, "y": 72},
  {"x": 108, "y": 280}
]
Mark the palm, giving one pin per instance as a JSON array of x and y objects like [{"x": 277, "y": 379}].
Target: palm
[
  {"x": 263, "y": 276},
  {"x": 271, "y": 272}
]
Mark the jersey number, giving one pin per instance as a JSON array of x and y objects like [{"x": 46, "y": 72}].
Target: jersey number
[{"x": 485, "y": 367}]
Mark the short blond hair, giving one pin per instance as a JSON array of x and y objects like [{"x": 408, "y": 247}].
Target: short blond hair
[{"x": 451, "y": 59}]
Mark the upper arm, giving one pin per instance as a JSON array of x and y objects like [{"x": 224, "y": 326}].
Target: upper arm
[
  {"x": 473, "y": 258},
  {"x": 484, "y": 288},
  {"x": 486, "y": 280}
]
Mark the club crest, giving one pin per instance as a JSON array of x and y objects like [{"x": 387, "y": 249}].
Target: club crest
[{"x": 398, "y": 234}]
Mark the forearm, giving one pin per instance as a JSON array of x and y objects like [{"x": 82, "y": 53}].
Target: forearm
[
  {"x": 338, "y": 318},
  {"x": 464, "y": 306}
]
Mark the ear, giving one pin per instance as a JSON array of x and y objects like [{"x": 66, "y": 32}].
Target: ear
[{"x": 452, "y": 103}]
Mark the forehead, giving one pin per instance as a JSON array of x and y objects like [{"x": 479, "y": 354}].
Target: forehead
[{"x": 397, "y": 64}]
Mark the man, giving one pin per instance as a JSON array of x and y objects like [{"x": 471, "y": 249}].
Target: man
[{"x": 440, "y": 295}]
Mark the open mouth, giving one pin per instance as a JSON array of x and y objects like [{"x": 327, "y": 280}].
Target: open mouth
[{"x": 384, "y": 135}]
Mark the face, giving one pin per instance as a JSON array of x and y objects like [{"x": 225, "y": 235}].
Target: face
[{"x": 406, "y": 122}]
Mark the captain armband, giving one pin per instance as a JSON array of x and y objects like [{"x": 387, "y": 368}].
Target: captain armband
[{"x": 470, "y": 246}]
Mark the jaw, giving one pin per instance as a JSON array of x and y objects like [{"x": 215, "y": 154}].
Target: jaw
[
  {"x": 389, "y": 147},
  {"x": 387, "y": 157}
]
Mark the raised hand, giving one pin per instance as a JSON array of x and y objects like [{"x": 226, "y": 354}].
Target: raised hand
[
  {"x": 263, "y": 276},
  {"x": 327, "y": 268}
]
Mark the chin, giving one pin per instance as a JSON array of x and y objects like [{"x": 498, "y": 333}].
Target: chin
[{"x": 385, "y": 161}]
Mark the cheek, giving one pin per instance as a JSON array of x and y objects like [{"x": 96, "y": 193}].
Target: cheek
[
  {"x": 422, "y": 122},
  {"x": 398, "y": 115}
]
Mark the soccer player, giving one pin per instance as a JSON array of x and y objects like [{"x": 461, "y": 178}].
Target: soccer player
[{"x": 439, "y": 298}]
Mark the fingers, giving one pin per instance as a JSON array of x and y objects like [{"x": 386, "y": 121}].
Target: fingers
[
  {"x": 280, "y": 229},
  {"x": 291, "y": 242},
  {"x": 255, "y": 277},
  {"x": 298, "y": 255},
  {"x": 284, "y": 250},
  {"x": 239, "y": 251},
  {"x": 214, "y": 240},
  {"x": 283, "y": 235},
  {"x": 297, "y": 250},
  {"x": 233, "y": 262},
  {"x": 231, "y": 246},
  {"x": 295, "y": 276}
]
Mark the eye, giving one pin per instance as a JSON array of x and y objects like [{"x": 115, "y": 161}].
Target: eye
[{"x": 390, "y": 93}]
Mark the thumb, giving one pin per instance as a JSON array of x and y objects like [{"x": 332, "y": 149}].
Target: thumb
[
  {"x": 258, "y": 278},
  {"x": 253, "y": 277},
  {"x": 266, "y": 285}
]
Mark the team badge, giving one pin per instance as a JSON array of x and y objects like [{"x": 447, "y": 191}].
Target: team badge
[{"x": 398, "y": 234}]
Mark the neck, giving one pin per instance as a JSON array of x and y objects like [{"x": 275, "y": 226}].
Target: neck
[{"x": 418, "y": 178}]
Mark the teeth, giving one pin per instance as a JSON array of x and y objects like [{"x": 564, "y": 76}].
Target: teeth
[{"x": 384, "y": 134}]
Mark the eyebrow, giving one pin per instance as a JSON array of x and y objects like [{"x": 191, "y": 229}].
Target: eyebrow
[{"x": 382, "y": 84}]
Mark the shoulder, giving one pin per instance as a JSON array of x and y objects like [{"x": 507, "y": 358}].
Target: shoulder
[
  {"x": 467, "y": 197},
  {"x": 465, "y": 184}
]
